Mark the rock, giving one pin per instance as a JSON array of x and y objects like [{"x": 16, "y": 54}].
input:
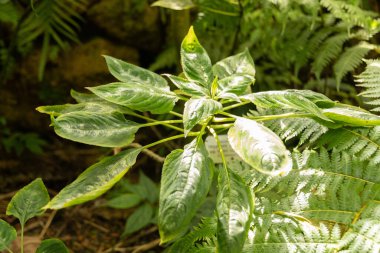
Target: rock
[
  {"x": 133, "y": 22},
  {"x": 84, "y": 65}
]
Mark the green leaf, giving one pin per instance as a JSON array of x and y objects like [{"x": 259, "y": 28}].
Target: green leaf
[
  {"x": 100, "y": 129},
  {"x": 258, "y": 146},
  {"x": 95, "y": 107},
  {"x": 301, "y": 100},
  {"x": 141, "y": 97},
  {"x": 7, "y": 234},
  {"x": 129, "y": 73},
  {"x": 52, "y": 246},
  {"x": 236, "y": 84},
  {"x": 234, "y": 208},
  {"x": 241, "y": 64},
  {"x": 150, "y": 188},
  {"x": 95, "y": 180},
  {"x": 81, "y": 97},
  {"x": 124, "y": 201},
  {"x": 351, "y": 116},
  {"x": 198, "y": 110},
  {"x": 139, "y": 219},
  {"x": 185, "y": 182},
  {"x": 195, "y": 61},
  {"x": 29, "y": 201},
  {"x": 188, "y": 87},
  {"x": 175, "y": 4}
]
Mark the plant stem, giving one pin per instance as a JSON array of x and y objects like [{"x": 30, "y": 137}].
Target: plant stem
[
  {"x": 281, "y": 116},
  {"x": 153, "y": 121},
  {"x": 229, "y": 115},
  {"x": 164, "y": 122},
  {"x": 169, "y": 139},
  {"x": 217, "y": 120},
  {"x": 235, "y": 105},
  {"x": 22, "y": 238},
  {"x": 9, "y": 250},
  {"x": 176, "y": 114},
  {"x": 221, "y": 126},
  {"x": 212, "y": 131}
]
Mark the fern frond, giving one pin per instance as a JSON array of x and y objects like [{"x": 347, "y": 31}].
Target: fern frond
[
  {"x": 370, "y": 79},
  {"x": 362, "y": 142},
  {"x": 350, "y": 59},
  {"x": 205, "y": 232},
  {"x": 328, "y": 51}
]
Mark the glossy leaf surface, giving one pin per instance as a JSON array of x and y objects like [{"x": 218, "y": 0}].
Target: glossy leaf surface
[
  {"x": 100, "y": 129},
  {"x": 196, "y": 63},
  {"x": 236, "y": 84},
  {"x": 351, "y": 116},
  {"x": 129, "y": 73},
  {"x": 141, "y": 97},
  {"x": 241, "y": 64},
  {"x": 52, "y": 246},
  {"x": 186, "y": 179},
  {"x": 198, "y": 110},
  {"x": 7, "y": 234},
  {"x": 29, "y": 201},
  {"x": 234, "y": 209},
  {"x": 189, "y": 87},
  {"x": 258, "y": 146},
  {"x": 95, "y": 180},
  {"x": 301, "y": 100}
]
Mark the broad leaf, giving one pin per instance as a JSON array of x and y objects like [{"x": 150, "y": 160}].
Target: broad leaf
[
  {"x": 139, "y": 219},
  {"x": 234, "y": 208},
  {"x": 100, "y": 129},
  {"x": 141, "y": 97},
  {"x": 304, "y": 101},
  {"x": 185, "y": 182},
  {"x": 7, "y": 235},
  {"x": 52, "y": 246},
  {"x": 241, "y": 64},
  {"x": 124, "y": 201},
  {"x": 198, "y": 110},
  {"x": 195, "y": 61},
  {"x": 93, "y": 107},
  {"x": 236, "y": 84},
  {"x": 129, "y": 73},
  {"x": 95, "y": 180},
  {"x": 189, "y": 87},
  {"x": 29, "y": 201},
  {"x": 351, "y": 116},
  {"x": 258, "y": 146},
  {"x": 175, "y": 4}
]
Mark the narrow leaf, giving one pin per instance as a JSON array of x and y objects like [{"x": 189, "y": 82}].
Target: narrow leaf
[
  {"x": 234, "y": 208},
  {"x": 141, "y": 97},
  {"x": 100, "y": 129},
  {"x": 52, "y": 246},
  {"x": 7, "y": 234},
  {"x": 195, "y": 61},
  {"x": 29, "y": 201},
  {"x": 301, "y": 100},
  {"x": 189, "y": 87},
  {"x": 258, "y": 146},
  {"x": 186, "y": 179},
  {"x": 139, "y": 219},
  {"x": 241, "y": 64},
  {"x": 129, "y": 73},
  {"x": 81, "y": 97},
  {"x": 124, "y": 201},
  {"x": 198, "y": 110},
  {"x": 95, "y": 180},
  {"x": 175, "y": 4},
  {"x": 351, "y": 116}
]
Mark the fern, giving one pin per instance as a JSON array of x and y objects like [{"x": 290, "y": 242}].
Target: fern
[
  {"x": 350, "y": 60},
  {"x": 54, "y": 20},
  {"x": 370, "y": 79}
]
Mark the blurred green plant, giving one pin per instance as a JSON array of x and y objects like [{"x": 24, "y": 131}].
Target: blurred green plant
[{"x": 143, "y": 197}]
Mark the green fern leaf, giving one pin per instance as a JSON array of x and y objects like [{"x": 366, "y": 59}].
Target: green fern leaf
[
  {"x": 370, "y": 80},
  {"x": 350, "y": 59}
]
